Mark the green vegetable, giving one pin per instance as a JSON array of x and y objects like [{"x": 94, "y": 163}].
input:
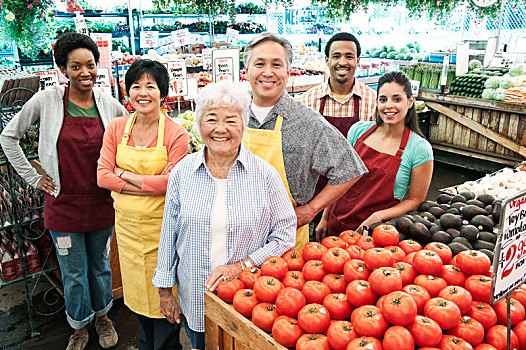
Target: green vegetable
[
  {"x": 500, "y": 94},
  {"x": 506, "y": 82},
  {"x": 474, "y": 64},
  {"x": 493, "y": 83},
  {"x": 517, "y": 70},
  {"x": 488, "y": 94}
]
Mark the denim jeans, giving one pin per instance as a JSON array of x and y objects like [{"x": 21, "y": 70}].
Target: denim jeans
[
  {"x": 84, "y": 259},
  {"x": 197, "y": 339}
]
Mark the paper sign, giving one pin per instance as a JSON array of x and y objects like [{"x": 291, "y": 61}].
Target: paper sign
[
  {"x": 181, "y": 37},
  {"x": 178, "y": 78},
  {"x": 509, "y": 268},
  {"x": 207, "y": 59},
  {"x": 80, "y": 24},
  {"x": 225, "y": 65},
  {"x": 232, "y": 36},
  {"x": 167, "y": 40},
  {"x": 503, "y": 59},
  {"x": 149, "y": 39},
  {"x": 415, "y": 87},
  {"x": 103, "y": 82},
  {"x": 48, "y": 78},
  {"x": 103, "y": 41}
]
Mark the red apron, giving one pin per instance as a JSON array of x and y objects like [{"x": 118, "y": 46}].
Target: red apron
[
  {"x": 373, "y": 192},
  {"x": 343, "y": 125},
  {"x": 81, "y": 206}
]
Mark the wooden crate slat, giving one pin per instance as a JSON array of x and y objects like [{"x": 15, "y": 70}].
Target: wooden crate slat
[
  {"x": 466, "y": 132},
  {"x": 474, "y": 137},
  {"x": 228, "y": 341},
  {"x": 450, "y": 126},
  {"x": 212, "y": 334},
  {"x": 457, "y": 128},
  {"x": 493, "y": 125},
  {"x": 504, "y": 122},
  {"x": 514, "y": 131}
]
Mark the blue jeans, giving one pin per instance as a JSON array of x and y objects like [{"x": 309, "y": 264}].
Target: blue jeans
[
  {"x": 84, "y": 259},
  {"x": 197, "y": 339}
]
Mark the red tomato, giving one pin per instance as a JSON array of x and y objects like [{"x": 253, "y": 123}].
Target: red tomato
[
  {"x": 338, "y": 306},
  {"x": 359, "y": 293},
  {"x": 473, "y": 262},
  {"x": 313, "y": 251},
  {"x": 365, "y": 343},
  {"x": 340, "y": 333},
  {"x": 350, "y": 236},
  {"x": 520, "y": 295},
  {"x": 425, "y": 331},
  {"x": 470, "y": 330},
  {"x": 274, "y": 266},
  {"x": 516, "y": 312},
  {"x": 385, "y": 280},
  {"x": 355, "y": 252},
  {"x": 227, "y": 289},
  {"x": 485, "y": 346},
  {"x": 380, "y": 302},
  {"x": 479, "y": 286},
  {"x": 355, "y": 269},
  {"x": 407, "y": 272},
  {"x": 249, "y": 276},
  {"x": 419, "y": 294},
  {"x": 497, "y": 336},
  {"x": 313, "y": 342},
  {"x": 484, "y": 313},
  {"x": 294, "y": 279},
  {"x": 315, "y": 291},
  {"x": 267, "y": 288},
  {"x": 432, "y": 284},
  {"x": 334, "y": 259},
  {"x": 366, "y": 242},
  {"x": 244, "y": 301},
  {"x": 264, "y": 315},
  {"x": 398, "y": 338},
  {"x": 451, "y": 342},
  {"x": 427, "y": 262},
  {"x": 313, "y": 270},
  {"x": 289, "y": 302},
  {"x": 314, "y": 318},
  {"x": 334, "y": 242},
  {"x": 286, "y": 331},
  {"x": 368, "y": 321},
  {"x": 399, "y": 308},
  {"x": 443, "y": 251},
  {"x": 294, "y": 260},
  {"x": 452, "y": 275},
  {"x": 378, "y": 257},
  {"x": 520, "y": 331},
  {"x": 398, "y": 253},
  {"x": 446, "y": 313},
  {"x": 460, "y": 296},
  {"x": 409, "y": 258},
  {"x": 385, "y": 235},
  {"x": 409, "y": 246},
  {"x": 335, "y": 282}
]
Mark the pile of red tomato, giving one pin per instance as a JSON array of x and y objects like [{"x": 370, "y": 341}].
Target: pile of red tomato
[{"x": 360, "y": 292}]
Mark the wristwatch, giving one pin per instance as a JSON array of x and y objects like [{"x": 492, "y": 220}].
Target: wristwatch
[{"x": 120, "y": 173}]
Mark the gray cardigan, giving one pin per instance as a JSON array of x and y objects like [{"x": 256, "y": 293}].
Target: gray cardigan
[{"x": 47, "y": 109}]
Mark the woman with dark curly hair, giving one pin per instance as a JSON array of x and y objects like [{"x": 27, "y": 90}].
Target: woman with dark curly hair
[{"x": 78, "y": 213}]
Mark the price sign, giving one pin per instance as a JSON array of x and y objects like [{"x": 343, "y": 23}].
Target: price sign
[
  {"x": 415, "y": 87},
  {"x": 103, "y": 82},
  {"x": 103, "y": 41},
  {"x": 80, "y": 24},
  {"x": 232, "y": 36},
  {"x": 503, "y": 59},
  {"x": 149, "y": 39},
  {"x": 181, "y": 37},
  {"x": 48, "y": 78},
  {"x": 207, "y": 59},
  {"x": 178, "y": 78},
  {"x": 225, "y": 65},
  {"x": 509, "y": 268}
]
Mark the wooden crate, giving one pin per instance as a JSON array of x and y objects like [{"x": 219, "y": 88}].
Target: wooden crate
[
  {"x": 226, "y": 329},
  {"x": 490, "y": 130}
]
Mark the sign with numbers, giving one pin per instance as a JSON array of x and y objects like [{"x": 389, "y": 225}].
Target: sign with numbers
[
  {"x": 178, "y": 78},
  {"x": 48, "y": 78},
  {"x": 509, "y": 268},
  {"x": 232, "y": 36},
  {"x": 181, "y": 37},
  {"x": 149, "y": 39},
  {"x": 415, "y": 87},
  {"x": 80, "y": 24},
  {"x": 103, "y": 82},
  {"x": 503, "y": 59},
  {"x": 225, "y": 65},
  {"x": 103, "y": 41},
  {"x": 207, "y": 59}
]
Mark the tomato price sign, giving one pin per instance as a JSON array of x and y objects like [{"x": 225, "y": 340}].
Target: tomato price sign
[
  {"x": 149, "y": 39},
  {"x": 178, "y": 78},
  {"x": 509, "y": 262},
  {"x": 48, "y": 78}
]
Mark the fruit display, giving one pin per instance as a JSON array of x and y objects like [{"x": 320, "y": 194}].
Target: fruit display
[
  {"x": 187, "y": 120},
  {"x": 381, "y": 292},
  {"x": 409, "y": 52}
]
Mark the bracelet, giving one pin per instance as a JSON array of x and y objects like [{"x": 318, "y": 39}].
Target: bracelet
[{"x": 119, "y": 175}]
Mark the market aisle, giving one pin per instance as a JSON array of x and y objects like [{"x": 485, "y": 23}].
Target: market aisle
[{"x": 14, "y": 324}]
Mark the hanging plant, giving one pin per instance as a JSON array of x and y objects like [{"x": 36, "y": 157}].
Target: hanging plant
[{"x": 29, "y": 23}]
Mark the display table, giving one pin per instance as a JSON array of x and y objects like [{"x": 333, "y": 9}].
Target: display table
[
  {"x": 490, "y": 133},
  {"x": 226, "y": 329}
]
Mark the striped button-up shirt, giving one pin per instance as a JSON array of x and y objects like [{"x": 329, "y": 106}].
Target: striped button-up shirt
[
  {"x": 335, "y": 108},
  {"x": 260, "y": 223}
]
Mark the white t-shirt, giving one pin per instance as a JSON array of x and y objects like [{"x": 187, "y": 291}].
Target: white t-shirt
[
  {"x": 260, "y": 112},
  {"x": 218, "y": 223}
]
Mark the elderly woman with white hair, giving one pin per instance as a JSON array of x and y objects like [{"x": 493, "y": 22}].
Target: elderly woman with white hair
[{"x": 226, "y": 209}]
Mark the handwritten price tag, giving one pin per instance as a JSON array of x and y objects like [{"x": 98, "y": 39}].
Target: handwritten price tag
[
  {"x": 80, "y": 24},
  {"x": 509, "y": 268}
]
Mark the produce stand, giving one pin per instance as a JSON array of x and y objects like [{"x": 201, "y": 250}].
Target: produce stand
[
  {"x": 226, "y": 329},
  {"x": 489, "y": 133}
]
